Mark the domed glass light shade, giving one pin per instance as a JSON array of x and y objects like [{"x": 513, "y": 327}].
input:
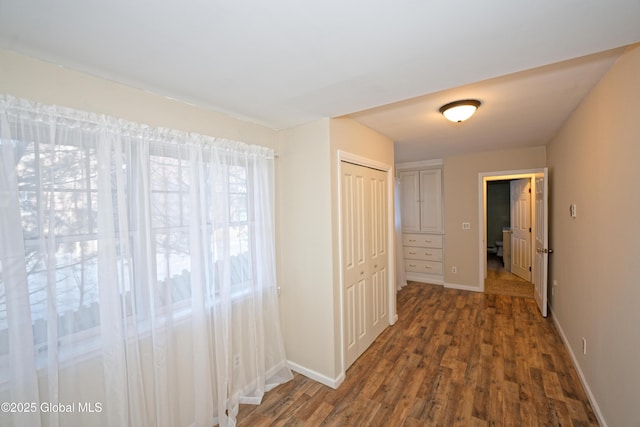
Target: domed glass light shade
[{"x": 459, "y": 111}]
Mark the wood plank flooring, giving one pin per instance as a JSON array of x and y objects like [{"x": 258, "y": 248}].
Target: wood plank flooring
[
  {"x": 501, "y": 281},
  {"x": 454, "y": 358}
]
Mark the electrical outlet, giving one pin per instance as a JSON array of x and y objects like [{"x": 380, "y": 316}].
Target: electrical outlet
[
  {"x": 454, "y": 269},
  {"x": 236, "y": 361},
  {"x": 466, "y": 226},
  {"x": 584, "y": 345}
]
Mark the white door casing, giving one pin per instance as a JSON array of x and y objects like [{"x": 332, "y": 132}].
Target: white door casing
[
  {"x": 539, "y": 181},
  {"x": 541, "y": 218},
  {"x": 521, "y": 228},
  {"x": 364, "y": 256}
]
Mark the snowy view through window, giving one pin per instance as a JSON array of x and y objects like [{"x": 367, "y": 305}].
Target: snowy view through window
[{"x": 58, "y": 188}]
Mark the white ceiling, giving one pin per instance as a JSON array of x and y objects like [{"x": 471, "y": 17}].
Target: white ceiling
[
  {"x": 285, "y": 62},
  {"x": 518, "y": 110}
]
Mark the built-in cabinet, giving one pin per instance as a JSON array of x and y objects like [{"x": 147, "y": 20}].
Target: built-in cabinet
[
  {"x": 421, "y": 207},
  {"x": 421, "y": 213}
]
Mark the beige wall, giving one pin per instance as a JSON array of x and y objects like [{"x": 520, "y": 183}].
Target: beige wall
[
  {"x": 309, "y": 263},
  {"x": 305, "y": 261},
  {"x": 461, "y": 198},
  {"x": 47, "y": 83},
  {"x": 594, "y": 163}
]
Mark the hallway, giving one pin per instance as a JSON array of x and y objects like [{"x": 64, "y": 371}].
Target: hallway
[{"x": 454, "y": 358}]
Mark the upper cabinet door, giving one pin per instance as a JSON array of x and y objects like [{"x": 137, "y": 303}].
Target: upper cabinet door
[
  {"x": 410, "y": 201},
  {"x": 421, "y": 201},
  {"x": 431, "y": 201}
]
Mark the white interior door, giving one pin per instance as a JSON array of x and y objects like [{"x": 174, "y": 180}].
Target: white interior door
[
  {"x": 364, "y": 256},
  {"x": 521, "y": 228},
  {"x": 378, "y": 256},
  {"x": 541, "y": 264},
  {"x": 353, "y": 257}
]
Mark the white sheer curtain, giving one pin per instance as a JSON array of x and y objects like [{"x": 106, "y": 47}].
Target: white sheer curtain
[{"x": 137, "y": 272}]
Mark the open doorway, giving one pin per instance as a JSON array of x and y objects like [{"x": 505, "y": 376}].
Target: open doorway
[
  {"x": 539, "y": 250},
  {"x": 508, "y": 231}
]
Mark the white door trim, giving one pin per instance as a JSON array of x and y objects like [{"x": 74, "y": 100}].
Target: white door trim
[
  {"x": 541, "y": 240},
  {"x": 344, "y": 156},
  {"x": 483, "y": 177}
]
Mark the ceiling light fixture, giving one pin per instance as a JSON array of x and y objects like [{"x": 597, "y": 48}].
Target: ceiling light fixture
[{"x": 459, "y": 111}]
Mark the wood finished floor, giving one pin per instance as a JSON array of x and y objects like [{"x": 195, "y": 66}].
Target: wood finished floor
[
  {"x": 501, "y": 281},
  {"x": 454, "y": 358}
]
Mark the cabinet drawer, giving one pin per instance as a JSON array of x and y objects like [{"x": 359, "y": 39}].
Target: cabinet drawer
[
  {"x": 425, "y": 254},
  {"x": 417, "y": 266},
  {"x": 422, "y": 240}
]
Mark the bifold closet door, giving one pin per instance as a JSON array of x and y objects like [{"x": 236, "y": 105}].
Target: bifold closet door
[{"x": 364, "y": 256}]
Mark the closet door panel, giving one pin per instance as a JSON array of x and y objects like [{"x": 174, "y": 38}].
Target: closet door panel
[
  {"x": 410, "y": 201},
  {"x": 431, "y": 201},
  {"x": 365, "y": 257}
]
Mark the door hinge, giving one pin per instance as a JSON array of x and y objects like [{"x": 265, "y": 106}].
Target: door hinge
[
  {"x": 529, "y": 229},
  {"x": 529, "y": 268},
  {"x": 529, "y": 191}
]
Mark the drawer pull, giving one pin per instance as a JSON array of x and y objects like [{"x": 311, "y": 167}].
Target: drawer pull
[
  {"x": 412, "y": 253},
  {"x": 428, "y": 267},
  {"x": 412, "y": 240},
  {"x": 428, "y": 241},
  {"x": 412, "y": 265},
  {"x": 428, "y": 253}
]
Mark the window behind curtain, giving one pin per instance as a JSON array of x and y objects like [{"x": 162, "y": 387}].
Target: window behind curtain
[
  {"x": 58, "y": 205},
  {"x": 137, "y": 266}
]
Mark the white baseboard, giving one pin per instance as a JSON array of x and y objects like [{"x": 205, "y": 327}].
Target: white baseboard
[
  {"x": 424, "y": 278},
  {"x": 583, "y": 380},
  {"x": 462, "y": 287},
  {"x": 322, "y": 379}
]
